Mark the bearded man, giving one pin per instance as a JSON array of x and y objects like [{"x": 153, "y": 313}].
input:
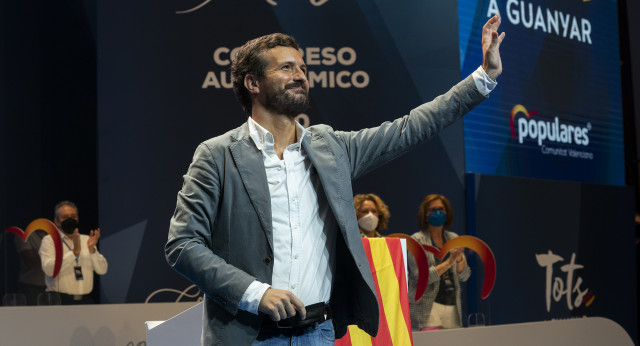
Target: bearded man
[{"x": 264, "y": 224}]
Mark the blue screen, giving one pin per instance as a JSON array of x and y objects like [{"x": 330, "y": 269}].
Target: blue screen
[{"x": 557, "y": 111}]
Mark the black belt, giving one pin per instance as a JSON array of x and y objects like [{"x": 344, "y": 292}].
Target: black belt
[
  {"x": 316, "y": 314},
  {"x": 75, "y": 297}
]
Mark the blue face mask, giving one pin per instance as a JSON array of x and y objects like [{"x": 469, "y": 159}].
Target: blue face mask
[{"x": 437, "y": 218}]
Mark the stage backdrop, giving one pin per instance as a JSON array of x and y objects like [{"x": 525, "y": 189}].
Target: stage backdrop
[
  {"x": 558, "y": 114},
  {"x": 163, "y": 87},
  {"x": 563, "y": 250}
]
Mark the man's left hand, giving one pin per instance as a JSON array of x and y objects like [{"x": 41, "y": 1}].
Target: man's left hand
[
  {"x": 94, "y": 235},
  {"x": 491, "y": 62}
]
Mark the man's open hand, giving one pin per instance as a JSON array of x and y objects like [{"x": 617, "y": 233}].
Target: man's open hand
[
  {"x": 94, "y": 235},
  {"x": 491, "y": 62}
]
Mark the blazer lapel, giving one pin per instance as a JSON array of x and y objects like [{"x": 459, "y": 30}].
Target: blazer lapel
[
  {"x": 324, "y": 161},
  {"x": 250, "y": 164}
]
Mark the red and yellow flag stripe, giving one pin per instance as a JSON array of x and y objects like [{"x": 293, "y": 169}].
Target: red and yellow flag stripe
[{"x": 386, "y": 263}]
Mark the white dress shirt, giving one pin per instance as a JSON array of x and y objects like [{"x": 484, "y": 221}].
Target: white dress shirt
[
  {"x": 484, "y": 83},
  {"x": 303, "y": 244},
  {"x": 66, "y": 281}
]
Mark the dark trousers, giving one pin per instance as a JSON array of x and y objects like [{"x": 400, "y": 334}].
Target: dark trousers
[{"x": 70, "y": 299}]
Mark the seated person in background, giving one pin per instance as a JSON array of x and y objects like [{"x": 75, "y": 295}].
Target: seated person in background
[
  {"x": 372, "y": 214},
  {"x": 440, "y": 306},
  {"x": 31, "y": 276},
  {"x": 80, "y": 258}
]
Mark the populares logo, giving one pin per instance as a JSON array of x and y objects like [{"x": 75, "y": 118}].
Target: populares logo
[
  {"x": 566, "y": 284},
  {"x": 529, "y": 126},
  {"x": 51, "y": 229},
  {"x": 551, "y": 131}
]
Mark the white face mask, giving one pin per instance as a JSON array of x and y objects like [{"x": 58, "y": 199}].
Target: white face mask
[{"x": 368, "y": 222}]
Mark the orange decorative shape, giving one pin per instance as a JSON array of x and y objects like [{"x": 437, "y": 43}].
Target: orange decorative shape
[
  {"x": 466, "y": 241},
  {"x": 51, "y": 229}
]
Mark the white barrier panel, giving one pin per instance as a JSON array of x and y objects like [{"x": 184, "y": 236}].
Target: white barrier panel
[
  {"x": 108, "y": 324},
  {"x": 184, "y": 329},
  {"x": 124, "y": 324},
  {"x": 588, "y": 331}
]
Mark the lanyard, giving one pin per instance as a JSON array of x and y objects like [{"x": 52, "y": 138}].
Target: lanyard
[
  {"x": 433, "y": 243},
  {"x": 68, "y": 247}
]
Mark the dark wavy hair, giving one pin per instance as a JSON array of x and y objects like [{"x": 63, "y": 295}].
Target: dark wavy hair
[
  {"x": 423, "y": 221},
  {"x": 250, "y": 60}
]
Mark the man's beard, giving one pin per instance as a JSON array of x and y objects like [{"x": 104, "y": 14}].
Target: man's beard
[{"x": 284, "y": 102}]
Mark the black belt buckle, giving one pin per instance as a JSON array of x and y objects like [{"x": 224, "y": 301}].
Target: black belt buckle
[{"x": 316, "y": 313}]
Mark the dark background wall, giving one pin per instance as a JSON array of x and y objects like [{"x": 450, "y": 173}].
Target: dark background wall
[
  {"x": 47, "y": 112},
  {"x": 575, "y": 225},
  {"x": 629, "y": 16}
]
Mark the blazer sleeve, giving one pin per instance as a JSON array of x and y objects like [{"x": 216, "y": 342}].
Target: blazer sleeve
[
  {"x": 370, "y": 148},
  {"x": 188, "y": 249}
]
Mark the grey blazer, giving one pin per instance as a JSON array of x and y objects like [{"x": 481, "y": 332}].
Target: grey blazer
[{"x": 220, "y": 236}]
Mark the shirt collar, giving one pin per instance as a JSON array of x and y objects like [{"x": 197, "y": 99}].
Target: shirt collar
[{"x": 263, "y": 139}]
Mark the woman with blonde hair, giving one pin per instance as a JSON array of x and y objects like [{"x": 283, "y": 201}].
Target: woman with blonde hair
[{"x": 372, "y": 213}]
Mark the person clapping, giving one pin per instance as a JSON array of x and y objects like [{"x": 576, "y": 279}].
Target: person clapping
[{"x": 440, "y": 306}]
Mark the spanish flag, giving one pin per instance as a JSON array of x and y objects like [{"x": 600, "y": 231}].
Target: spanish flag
[{"x": 386, "y": 262}]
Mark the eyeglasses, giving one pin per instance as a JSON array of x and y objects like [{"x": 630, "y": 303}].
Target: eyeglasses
[{"x": 431, "y": 210}]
